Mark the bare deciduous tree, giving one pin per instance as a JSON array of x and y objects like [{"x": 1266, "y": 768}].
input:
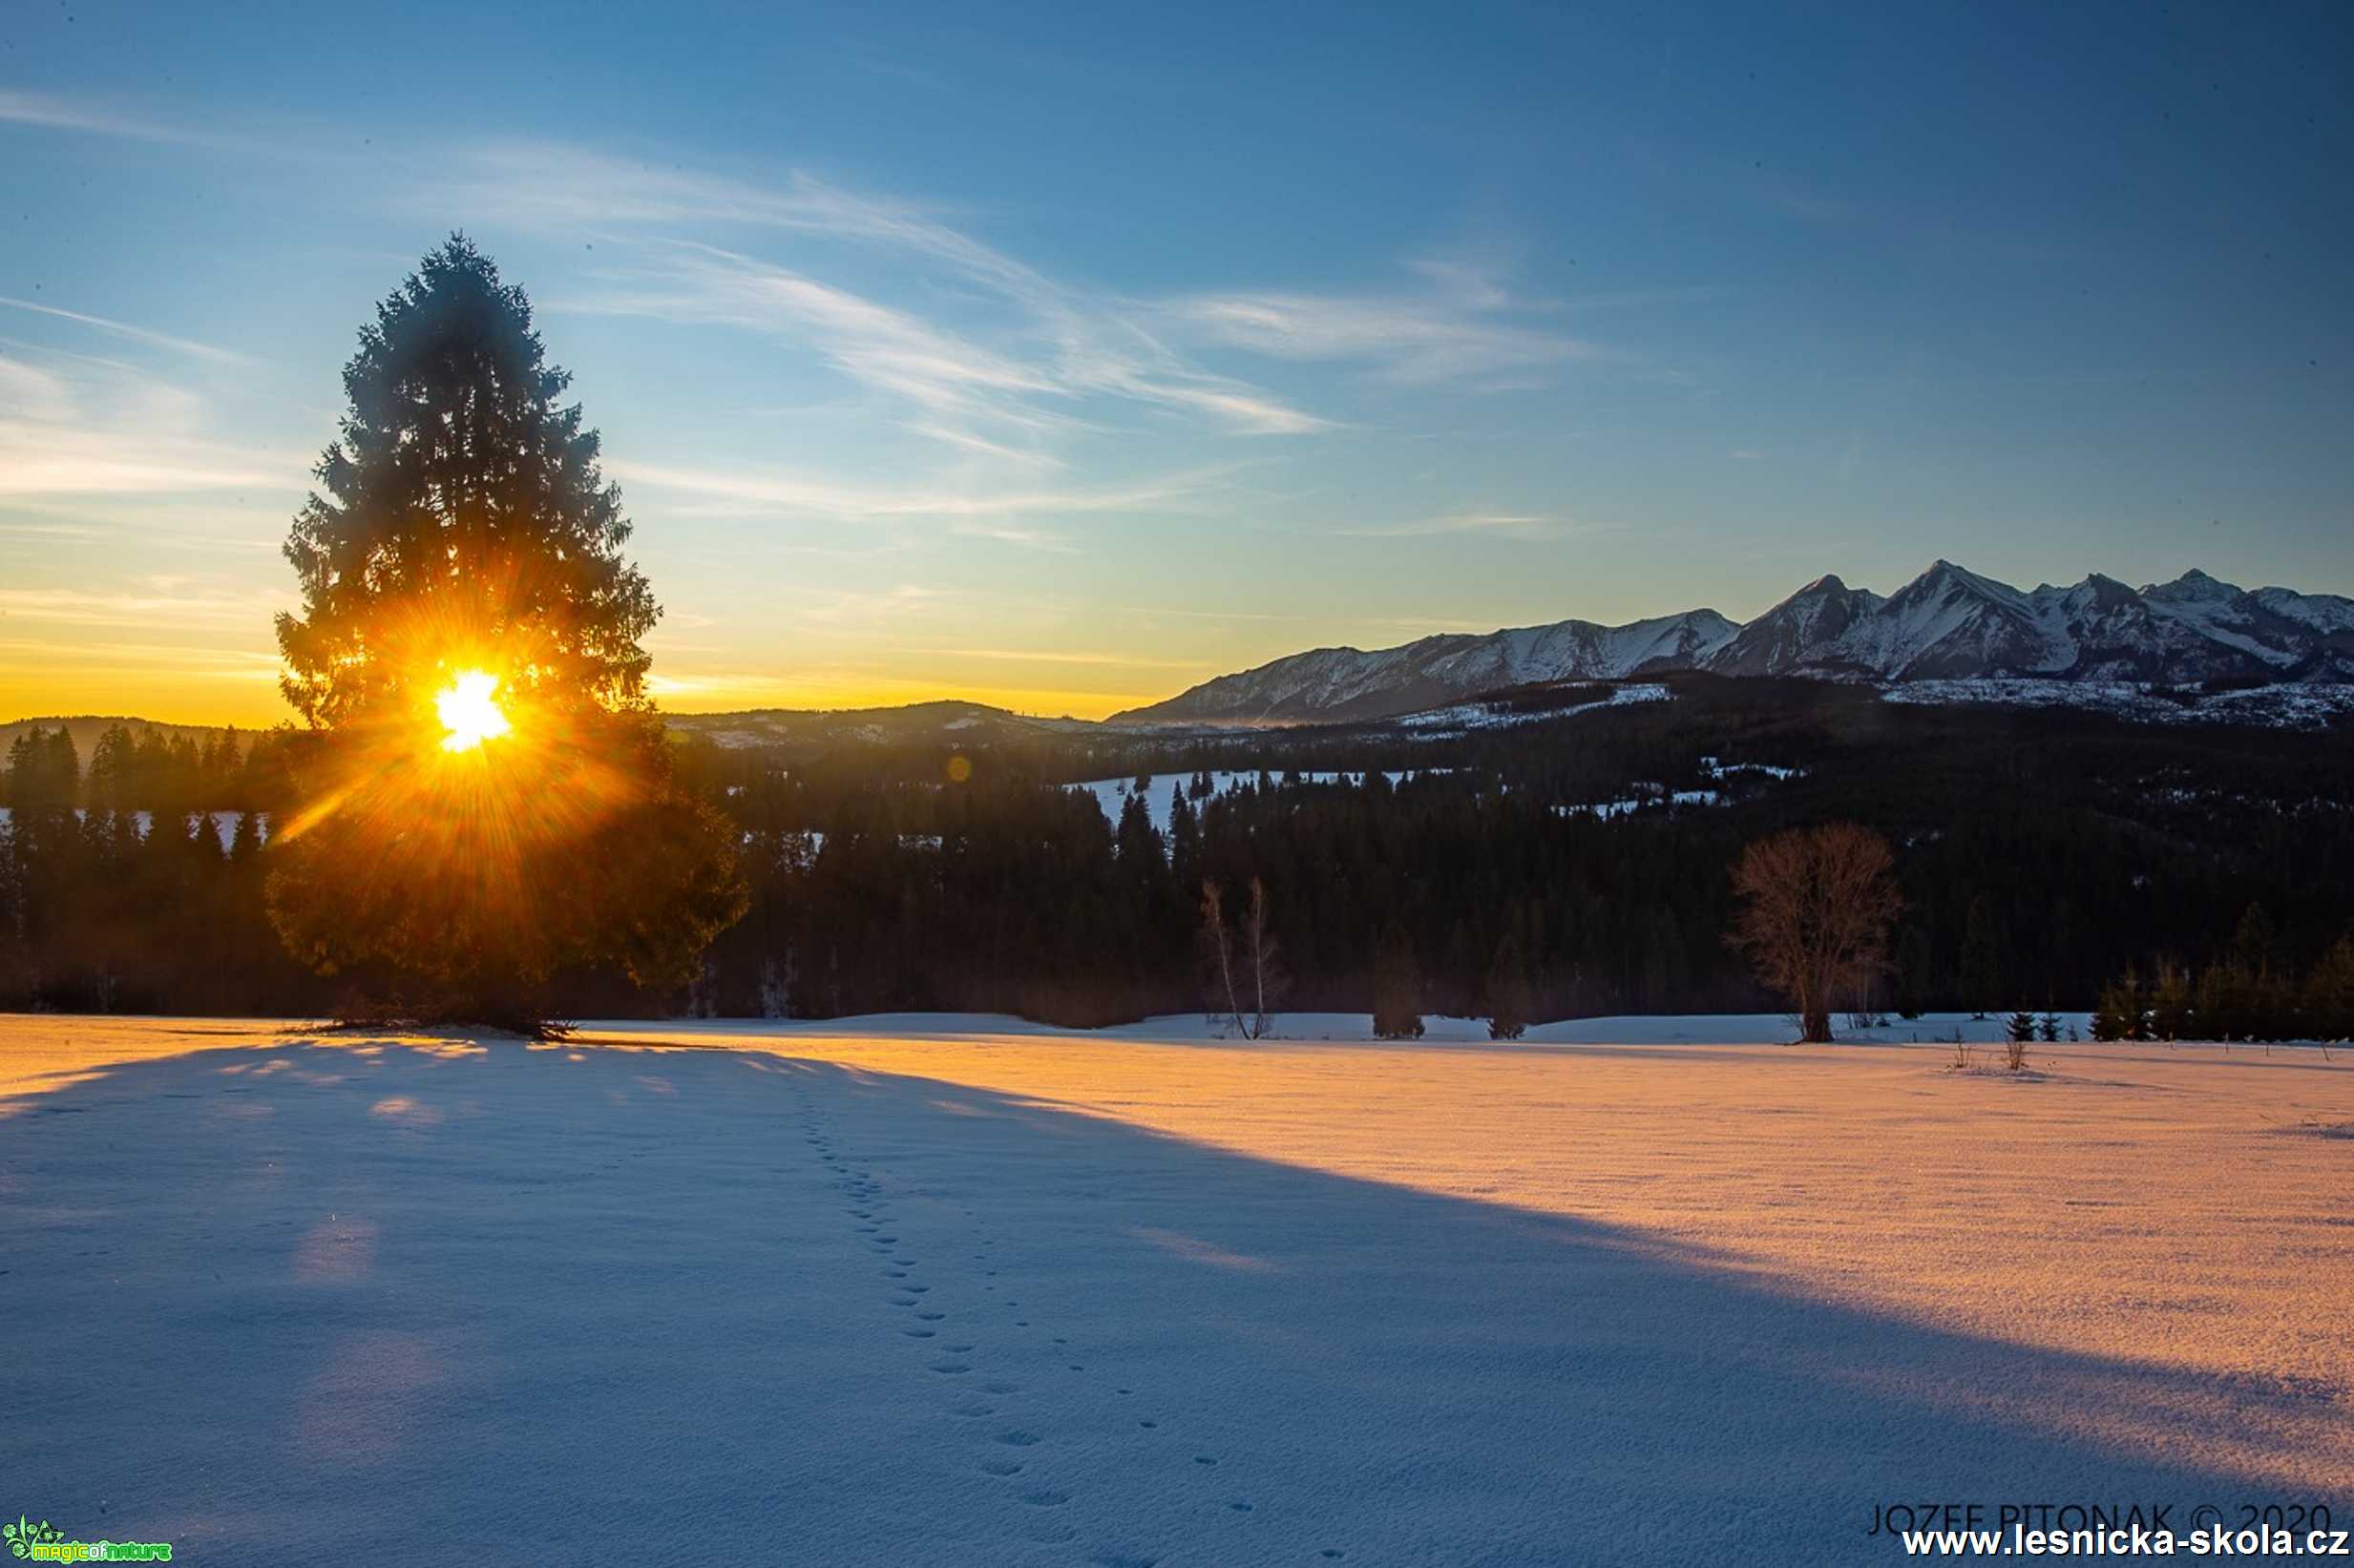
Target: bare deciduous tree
[
  {"x": 1240, "y": 966},
  {"x": 1817, "y": 906}
]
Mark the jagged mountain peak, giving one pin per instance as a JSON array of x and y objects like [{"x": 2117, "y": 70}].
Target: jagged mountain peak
[
  {"x": 1948, "y": 623},
  {"x": 2193, "y": 586}
]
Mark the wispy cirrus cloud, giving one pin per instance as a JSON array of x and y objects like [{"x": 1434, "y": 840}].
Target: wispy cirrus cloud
[
  {"x": 136, "y": 334},
  {"x": 1058, "y": 355},
  {"x": 77, "y": 425},
  {"x": 1014, "y": 534},
  {"x": 39, "y": 458},
  {"x": 1050, "y": 656},
  {"x": 1465, "y": 324},
  {"x": 780, "y": 492},
  {"x": 52, "y": 113},
  {"x": 1062, "y": 345},
  {"x": 940, "y": 371},
  {"x": 147, "y": 602},
  {"x": 552, "y": 182},
  {"x": 74, "y": 425},
  {"x": 1509, "y": 525}
]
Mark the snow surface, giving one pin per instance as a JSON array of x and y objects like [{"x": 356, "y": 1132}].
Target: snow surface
[
  {"x": 2291, "y": 706},
  {"x": 1112, "y": 794},
  {"x": 1454, "y": 719},
  {"x": 1652, "y": 794},
  {"x": 1645, "y": 795},
  {"x": 957, "y": 1290}
]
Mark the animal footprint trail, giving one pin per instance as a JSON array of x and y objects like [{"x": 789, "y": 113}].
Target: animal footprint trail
[{"x": 1042, "y": 1505}]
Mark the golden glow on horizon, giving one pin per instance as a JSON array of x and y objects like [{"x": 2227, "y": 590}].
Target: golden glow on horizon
[{"x": 469, "y": 712}]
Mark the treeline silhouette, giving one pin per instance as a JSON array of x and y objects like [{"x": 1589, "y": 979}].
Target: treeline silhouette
[
  {"x": 136, "y": 884},
  {"x": 2040, "y": 854},
  {"x": 2246, "y": 991}
]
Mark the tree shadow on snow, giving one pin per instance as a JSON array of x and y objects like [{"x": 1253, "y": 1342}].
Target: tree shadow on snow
[{"x": 383, "y": 1298}]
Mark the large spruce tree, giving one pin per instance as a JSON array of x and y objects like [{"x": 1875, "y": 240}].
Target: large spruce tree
[{"x": 466, "y": 534}]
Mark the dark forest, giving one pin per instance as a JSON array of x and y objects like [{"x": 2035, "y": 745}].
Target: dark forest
[{"x": 2040, "y": 853}]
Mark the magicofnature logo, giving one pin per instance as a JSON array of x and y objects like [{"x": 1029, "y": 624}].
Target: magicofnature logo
[{"x": 44, "y": 1542}]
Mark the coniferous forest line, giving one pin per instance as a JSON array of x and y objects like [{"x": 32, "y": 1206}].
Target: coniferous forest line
[{"x": 2041, "y": 855}]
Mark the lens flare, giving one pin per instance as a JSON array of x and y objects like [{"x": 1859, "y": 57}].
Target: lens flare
[{"x": 468, "y": 711}]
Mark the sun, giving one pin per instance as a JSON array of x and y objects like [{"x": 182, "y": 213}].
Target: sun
[{"x": 468, "y": 712}]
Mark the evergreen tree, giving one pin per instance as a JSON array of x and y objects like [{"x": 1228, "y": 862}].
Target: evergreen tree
[
  {"x": 1397, "y": 987},
  {"x": 2329, "y": 993},
  {"x": 1139, "y": 843},
  {"x": 1913, "y": 980},
  {"x": 1459, "y": 972},
  {"x": 1185, "y": 840},
  {"x": 109, "y": 787},
  {"x": 1508, "y": 1003},
  {"x": 1664, "y": 967},
  {"x": 2119, "y": 1015},
  {"x": 466, "y": 530},
  {"x": 2253, "y": 942},
  {"x": 1982, "y": 959},
  {"x": 16, "y": 956},
  {"x": 2170, "y": 1003},
  {"x": 2226, "y": 1001},
  {"x": 44, "y": 771}
]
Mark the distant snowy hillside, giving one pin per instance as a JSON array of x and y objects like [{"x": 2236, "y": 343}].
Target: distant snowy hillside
[{"x": 1947, "y": 625}]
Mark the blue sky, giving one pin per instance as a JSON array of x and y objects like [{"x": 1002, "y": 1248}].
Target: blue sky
[{"x": 1069, "y": 358}]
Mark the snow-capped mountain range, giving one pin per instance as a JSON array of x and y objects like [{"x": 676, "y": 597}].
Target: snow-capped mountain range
[{"x": 1946, "y": 624}]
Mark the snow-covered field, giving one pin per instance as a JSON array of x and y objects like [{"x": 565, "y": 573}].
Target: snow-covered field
[{"x": 964, "y": 1291}]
